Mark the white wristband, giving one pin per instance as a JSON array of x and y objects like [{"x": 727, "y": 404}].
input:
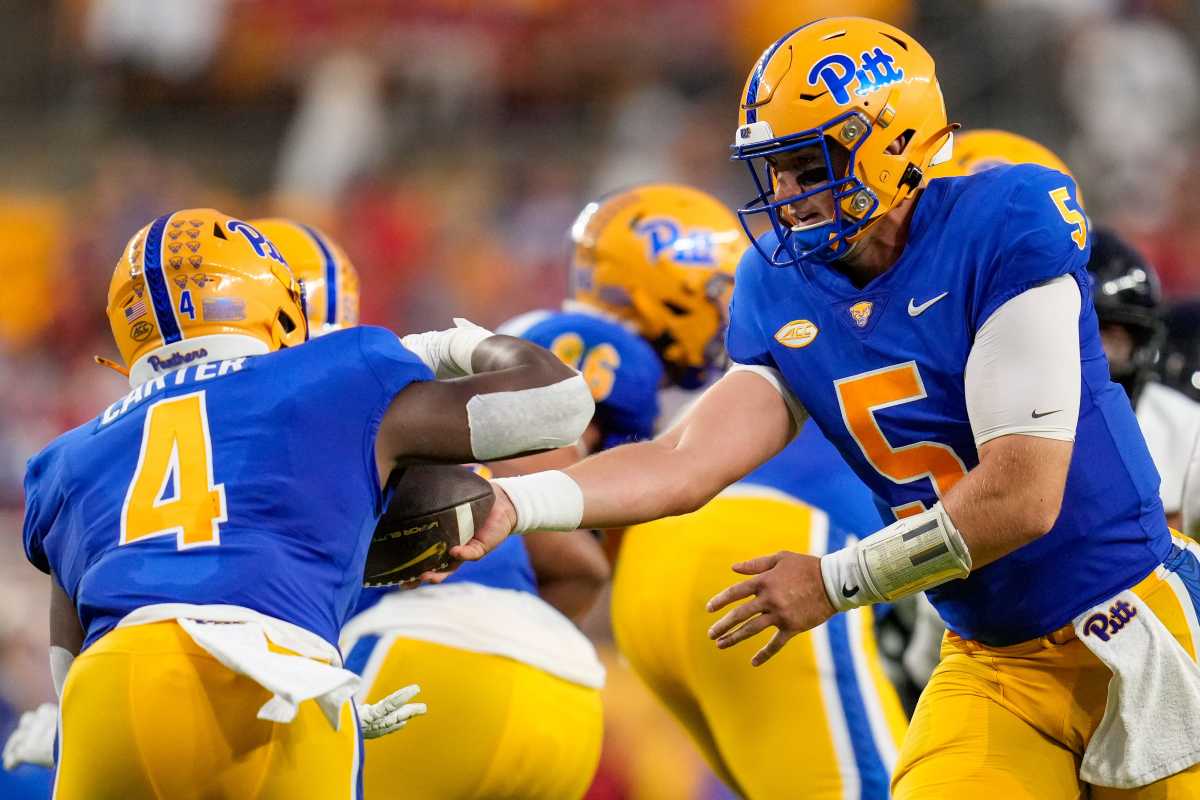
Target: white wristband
[
  {"x": 544, "y": 501},
  {"x": 448, "y": 353},
  {"x": 910, "y": 555}
]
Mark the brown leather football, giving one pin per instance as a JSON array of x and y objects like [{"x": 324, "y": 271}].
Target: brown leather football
[{"x": 433, "y": 508}]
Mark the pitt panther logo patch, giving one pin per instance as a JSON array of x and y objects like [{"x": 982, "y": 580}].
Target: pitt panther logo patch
[
  {"x": 875, "y": 70},
  {"x": 861, "y": 313},
  {"x": 1106, "y": 626}
]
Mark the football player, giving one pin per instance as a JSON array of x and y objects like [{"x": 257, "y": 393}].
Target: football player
[
  {"x": 526, "y": 679},
  {"x": 944, "y": 341},
  {"x": 651, "y": 271},
  {"x": 202, "y": 560}
]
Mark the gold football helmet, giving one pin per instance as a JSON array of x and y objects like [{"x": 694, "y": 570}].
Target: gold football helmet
[
  {"x": 661, "y": 258},
  {"x": 846, "y": 82},
  {"x": 193, "y": 280},
  {"x": 330, "y": 280}
]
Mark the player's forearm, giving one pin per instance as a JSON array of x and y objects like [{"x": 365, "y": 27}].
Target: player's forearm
[
  {"x": 1012, "y": 497},
  {"x": 644, "y": 481}
]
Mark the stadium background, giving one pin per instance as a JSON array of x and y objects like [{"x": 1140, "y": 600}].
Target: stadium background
[{"x": 448, "y": 145}]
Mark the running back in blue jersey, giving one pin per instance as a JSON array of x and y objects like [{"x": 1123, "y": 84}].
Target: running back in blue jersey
[
  {"x": 880, "y": 369},
  {"x": 249, "y": 481}
]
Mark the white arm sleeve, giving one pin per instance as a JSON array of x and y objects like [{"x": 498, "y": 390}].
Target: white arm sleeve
[
  {"x": 1023, "y": 373},
  {"x": 776, "y": 379}
]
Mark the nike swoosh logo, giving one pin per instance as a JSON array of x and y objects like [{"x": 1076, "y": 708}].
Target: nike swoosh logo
[
  {"x": 915, "y": 310},
  {"x": 848, "y": 592},
  {"x": 1039, "y": 415}
]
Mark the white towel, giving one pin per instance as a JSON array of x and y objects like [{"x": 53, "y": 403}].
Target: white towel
[
  {"x": 484, "y": 619},
  {"x": 238, "y": 638},
  {"x": 1151, "y": 723}
]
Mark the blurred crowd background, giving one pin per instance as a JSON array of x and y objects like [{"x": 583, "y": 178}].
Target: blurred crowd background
[{"x": 448, "y": 144}]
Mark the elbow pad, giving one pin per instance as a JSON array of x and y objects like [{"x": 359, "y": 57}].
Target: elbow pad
[{"x": 504, "y": 424}]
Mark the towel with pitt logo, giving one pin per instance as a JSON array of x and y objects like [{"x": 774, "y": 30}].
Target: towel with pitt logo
[{"x": 880, "y": 370}]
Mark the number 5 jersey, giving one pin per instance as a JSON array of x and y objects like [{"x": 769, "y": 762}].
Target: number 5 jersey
[{"x": 881, "y": 371}]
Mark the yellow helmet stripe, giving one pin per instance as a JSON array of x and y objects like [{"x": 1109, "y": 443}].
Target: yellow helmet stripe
[
  {"x": 156, "y": 281},
  {"x": 332, "y": 269}
]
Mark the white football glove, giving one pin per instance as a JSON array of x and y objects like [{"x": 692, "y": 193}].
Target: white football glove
[
  {"x": 33, "y": 740},
  {"x": 390, "y": 714}
]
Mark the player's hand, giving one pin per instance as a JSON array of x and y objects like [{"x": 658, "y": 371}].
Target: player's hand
[
  {"x": 495, "y": 529},
  {"x": 787, "y": 592},
  {"x": 390, "y": 714},
  {"x": 33, "y": 740}
]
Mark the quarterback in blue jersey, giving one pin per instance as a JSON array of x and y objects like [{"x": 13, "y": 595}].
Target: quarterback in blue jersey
[
  {"x": 937, "y": 334},
  {"x": 202, "y": 561},
  {"x": 527, "y": 679},
  {"x": 651, "y": 270}
]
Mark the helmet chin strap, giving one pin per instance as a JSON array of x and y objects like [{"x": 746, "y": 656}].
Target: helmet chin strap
[{"x": 114, "y": 366}]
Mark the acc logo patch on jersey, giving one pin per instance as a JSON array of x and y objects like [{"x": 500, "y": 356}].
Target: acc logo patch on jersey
[
  {"x": 875, "y": 70},
  {"x": 797, "y": 333},
  {"x": 861, "y": 313}
]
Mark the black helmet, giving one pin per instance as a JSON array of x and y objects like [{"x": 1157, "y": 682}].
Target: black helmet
[
  {"x": 1179, "y": 366},
  {"x": 1126, "y": 292}
]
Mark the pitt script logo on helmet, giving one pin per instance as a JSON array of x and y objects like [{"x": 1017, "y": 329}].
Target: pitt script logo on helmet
[
  {"x": 848, "y": 82},
  {"x": 200, "y": 284},
  {"x": 661, "y": 259},
  {"x": 330, "y": 280}
]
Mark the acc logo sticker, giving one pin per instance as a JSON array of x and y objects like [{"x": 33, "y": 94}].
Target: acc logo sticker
[
  {"x": 797, "y": 333},
  {"x": 141, "y": 331}
]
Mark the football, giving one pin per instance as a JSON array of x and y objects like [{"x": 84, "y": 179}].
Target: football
[{"x": 433, "y": 508}]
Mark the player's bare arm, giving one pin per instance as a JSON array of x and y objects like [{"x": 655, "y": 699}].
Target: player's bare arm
[
  {"x": 512, "y": 397},
  {"x": 739, "y": 423}
]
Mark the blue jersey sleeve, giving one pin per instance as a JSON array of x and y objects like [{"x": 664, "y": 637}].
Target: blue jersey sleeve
[
  {"x": 393, "y": 365},
  {"x": 1042, "y": 236},
  {"x": 745, "y": 340},
  {"x": 43, "y": 501}
]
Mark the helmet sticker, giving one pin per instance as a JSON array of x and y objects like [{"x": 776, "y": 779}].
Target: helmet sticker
[
  {"x": 691, "y": 248},
  {"x": 838, "y": 71}
]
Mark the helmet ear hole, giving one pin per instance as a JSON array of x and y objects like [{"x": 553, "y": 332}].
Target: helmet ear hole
[
  {"x": 286, "y": 322},
  {"x": 901, "y": 142}
]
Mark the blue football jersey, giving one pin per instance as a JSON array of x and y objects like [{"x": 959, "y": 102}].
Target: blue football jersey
[
  {"x": 880, "y": 369},
  {"x": 249, "y": 481}
]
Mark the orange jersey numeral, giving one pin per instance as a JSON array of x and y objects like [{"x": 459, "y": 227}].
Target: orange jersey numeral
[{"x": 860, "y": 396}]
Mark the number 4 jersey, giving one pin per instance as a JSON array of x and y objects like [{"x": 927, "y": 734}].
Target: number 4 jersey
[
  {"x": 880, "y": 369},
  {"x": 247, "y": 481}
]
